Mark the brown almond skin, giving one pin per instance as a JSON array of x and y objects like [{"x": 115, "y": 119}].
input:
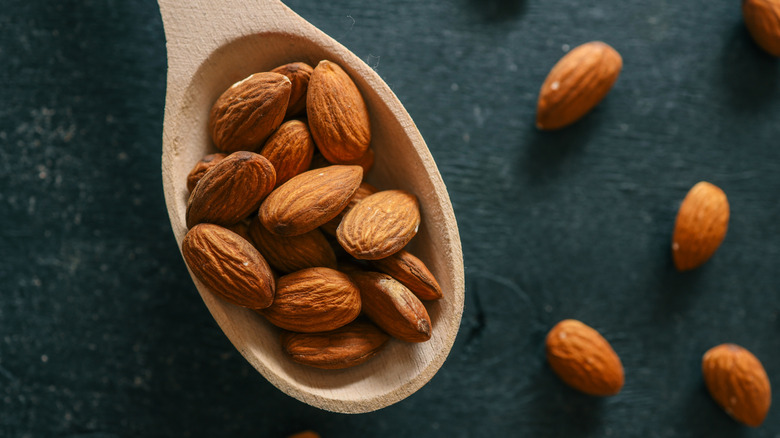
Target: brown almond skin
[
  {"x": 231, "y": 190},
  {"x": 583, "y": 359},
  {"x": 305, "y": 434},
  {"x": 576, "y": 84},
  {"x": 242, "y": 229},
  {"x": 299, "y": 74},
  {"x": 393, "y": 307},
  {"x": 762, "y": 18},
  {"x": 379, "y": 225},
  {"x": 201, "y": 167},
  {"x": 701, "y": 226},
  {"x": 738, "y": 382},
  {"x": 344, "y": 347},
  {"x": 229, "y": 266},
  {"x": 293, "y": 253},
  {"x": 309, "y": 200},
  {"x": 338, "y": 117},
  {"x": 248, "y": 112},
  {"x": 314, "y": 300},
  {"x": 362, "y": 192},
  {"x": 289, "y": 149},
  {"x": 412, "y": 273}
]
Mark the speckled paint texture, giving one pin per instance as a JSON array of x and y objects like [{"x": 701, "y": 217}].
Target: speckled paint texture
[{"x": 102, "y": 333}]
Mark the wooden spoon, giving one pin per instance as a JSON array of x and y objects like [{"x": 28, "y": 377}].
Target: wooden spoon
[{"x": 212, "y": 44}]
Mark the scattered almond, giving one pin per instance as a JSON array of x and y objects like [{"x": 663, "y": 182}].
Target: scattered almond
[
  {"x": 228, "y": 265},
  {"x": 310, "y": 199},
  {"x": 292, "y": 253},
  {"x": 379, "y": 225},
  {"x": 314, "y": 300},
  {"x": 583, "y": 359},
  {"x": 345, "y": 347},
  {"x": 576, "y": 84},
  {"x": 249, "y": 111},
  {"x": 701, "y": 226},
  {"x": 737, "y": 381},
  {"x": 762, "y": 18},
  {"x": 338, "y": 116}
]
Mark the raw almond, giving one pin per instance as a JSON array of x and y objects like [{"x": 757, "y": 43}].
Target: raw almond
[
  {"x": 231, "y": 190},
  {"x": 379, "y": 225},
  {"x": 362, "y": 192},
  {"x": 393, "y": 307},
  {"x": 310, "y": 199},
  {"x": 762, "y": 18},
  {"x": 412, "y": 273},
  {"x": 583, "y": 359},
  {"x": 345, "y": 347},
  {"x": 299, "y": 74},
  {"x": 314, "y": 300},
  {"x": 305, "y": 434},
  {"x": 576, "y": 84},
  {"x": 289, "y": 149},
  {"x": 292, "y": 253},
  {"x": 737, "y": 381},
  {"x": 228, "y": 265},
  {"x": 701, "y": 226},
  {"x": 201, "y": 167},
  {"x": 249, "y": 111},
  {"x": 338, "y": 117},
  {"x": 242, "y": 229}
]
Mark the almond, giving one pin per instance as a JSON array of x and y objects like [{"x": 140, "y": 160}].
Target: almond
[
  {"x": 231, "y": 190},
  {"x": 242, "y": 229},
  {"x": 338, "y": 116},
  {"x": 701, "y": 226},
  {"x": 228, "y": 265},
  {"x": 379, "y": 225},
  {"x": 583, "y": 359},
  {"x": 314, "y": 300},
  {"x": 762, "y": 18},
  {"x": 576, "y": 84},
  {"x": 305, "y": 434},
  {"x": 737, "y": 381},
  {"x": 393, "y": 307},
  {"x": 249, "y": 111},
  {"x": 412, "y": 273},
  {"x": 290, "y": 150},
  {"x": 309, "y": 200},
  {"x": 345, "y": 347},
  {"x": 201, "y": 167},
  {"x": 298, "y": 73},
  {"x": 362, "y": 192},
  {"x": 292, "y": 253}
]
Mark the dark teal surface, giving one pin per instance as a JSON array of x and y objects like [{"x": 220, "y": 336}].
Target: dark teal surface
[{"x": 102, "y": 333}]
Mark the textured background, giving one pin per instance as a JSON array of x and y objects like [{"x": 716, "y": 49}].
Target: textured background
[{"x": 102, "y": 333}]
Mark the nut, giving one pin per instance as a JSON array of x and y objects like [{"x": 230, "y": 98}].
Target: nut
[
  {"x": 362, "y": 192},
  {"x": 576, "y": 84},
  {"x": 231, "y": 190},
  {"x": 338, "y": 117},
  {"x": 737, "y": 381},
  {"x": 345, "y": 347},
  {"x": 412, "y": 273},
  {"x": 762, "y": 18},
  {"x": 314, "y": 300},
  {"x": 290, "y": 150},
  {"x": 298, "y": 73},
  {"x": 292, "y": 253},
  {"x": 249, "y": 111},
  {"x": 701, "y": 226},
  {"x": 309, "y": 200},
  {"x": 583, "y": 359},
  {"x": 201, "y": 167},
  {"x": 393, "y": 307},
  {"x": 228, "y": 265},
  {"x": 379, "y": 225}
]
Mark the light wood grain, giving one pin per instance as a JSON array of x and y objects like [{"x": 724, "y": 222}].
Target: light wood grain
[{"x": 211, "y": 44}]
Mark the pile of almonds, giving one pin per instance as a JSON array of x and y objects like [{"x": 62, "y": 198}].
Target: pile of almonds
[
  {"x": 577, "y": 353},
  {"x": 283, "y": 222}
]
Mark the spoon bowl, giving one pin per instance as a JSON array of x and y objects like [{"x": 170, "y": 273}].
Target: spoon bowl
[{"x": 211, "y": 45}]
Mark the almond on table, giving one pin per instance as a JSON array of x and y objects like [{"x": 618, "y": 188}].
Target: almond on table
[
  {"x": 701, "y": 226},
  {"x": 762, "y": 18}
]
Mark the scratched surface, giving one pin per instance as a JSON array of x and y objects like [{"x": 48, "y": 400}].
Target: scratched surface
[{"x": 103, "y": 335}]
